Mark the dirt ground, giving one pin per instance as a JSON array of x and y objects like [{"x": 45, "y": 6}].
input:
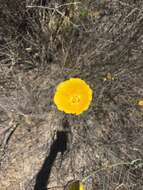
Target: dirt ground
[{"x": 45, "y": 42}]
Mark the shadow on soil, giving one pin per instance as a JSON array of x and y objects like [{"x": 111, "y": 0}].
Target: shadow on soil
[{"x": 59, "y": 145}]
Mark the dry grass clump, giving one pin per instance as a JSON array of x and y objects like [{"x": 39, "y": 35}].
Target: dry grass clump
[{"x": 98, "y": 41}]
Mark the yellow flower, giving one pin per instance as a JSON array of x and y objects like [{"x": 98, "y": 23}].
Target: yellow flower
[
  {"x": 73, "y": 96},
  {"x": 140, "y": 103},
  {"x": 77, "y": 185}
]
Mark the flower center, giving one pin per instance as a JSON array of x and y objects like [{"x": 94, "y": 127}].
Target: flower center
[{"x": 75, "y": 99}]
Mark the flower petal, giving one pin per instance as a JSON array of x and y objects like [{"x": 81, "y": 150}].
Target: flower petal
[{"x": 73, "y": 96}]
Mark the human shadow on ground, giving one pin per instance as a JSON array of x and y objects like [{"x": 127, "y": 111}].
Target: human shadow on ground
[{"x": 59, "y": 145}]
